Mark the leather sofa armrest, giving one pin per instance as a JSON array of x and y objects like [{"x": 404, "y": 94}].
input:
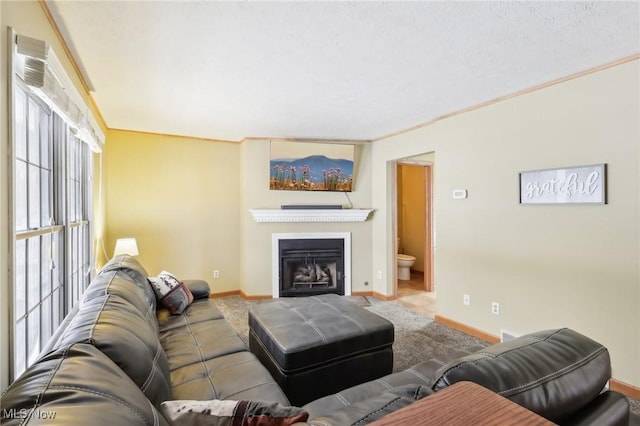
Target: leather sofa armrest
[
  {"x": 554, "y": 373},
  {"x": 609, "y": 408},
  {"x": 374, "y": 407},
  {"x": 199, "y": 288}
]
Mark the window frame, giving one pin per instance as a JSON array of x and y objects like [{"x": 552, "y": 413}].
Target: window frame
[{"x": 58, "y": 289}]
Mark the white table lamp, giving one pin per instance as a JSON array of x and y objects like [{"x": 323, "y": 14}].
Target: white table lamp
[{"x": 126, "y": 246}]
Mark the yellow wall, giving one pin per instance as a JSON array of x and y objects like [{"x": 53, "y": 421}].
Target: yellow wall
[
  {"x": 179, "y": 197},
  {"x": 547, "y": 266},
  {"x": 412, "y": 206}
]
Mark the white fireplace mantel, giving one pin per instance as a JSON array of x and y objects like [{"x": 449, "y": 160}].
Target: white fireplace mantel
[{"x": 310, "y": 215}]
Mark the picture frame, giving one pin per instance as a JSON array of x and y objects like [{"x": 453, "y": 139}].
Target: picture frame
[
  {"x": 311, "y": 166},
  {"x": 565, "y": 185}
]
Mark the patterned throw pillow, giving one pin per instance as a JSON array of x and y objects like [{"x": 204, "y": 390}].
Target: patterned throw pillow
[
  {"x": 231, "y": 413},
  {"x": 170, "y": 292}
]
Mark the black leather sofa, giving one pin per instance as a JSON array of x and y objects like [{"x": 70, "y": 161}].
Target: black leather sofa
[{"x": 117, "y": 356}]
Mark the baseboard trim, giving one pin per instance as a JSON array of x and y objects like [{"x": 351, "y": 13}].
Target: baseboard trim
[
  {"x": 375, "y": 294},
  {"x": 382, "y": 296},
  {"x": 624, "y": 388},
  {"x": 240, "y": 293},
  {"x": 225, "y": 293},
  {"x": 615, "y": 385},
  {"x": 471, "y": 331},
  {"x": 255, "y": 296}
]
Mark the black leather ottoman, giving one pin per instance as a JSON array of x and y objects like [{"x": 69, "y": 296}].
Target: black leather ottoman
[{"x": 315, "y": 346}]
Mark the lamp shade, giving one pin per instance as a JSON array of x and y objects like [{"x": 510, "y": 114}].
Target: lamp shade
[{"x": 126, "y": 246}]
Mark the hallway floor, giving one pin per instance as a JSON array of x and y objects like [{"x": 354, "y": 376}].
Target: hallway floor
[{"x": 411, "y": 295}]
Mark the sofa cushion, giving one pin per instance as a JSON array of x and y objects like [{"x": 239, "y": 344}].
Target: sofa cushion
[
  {"x": 553, "y": 373},
  {"x": 200, "y": 341},
  {"x": 229, "y": 413},
  {"x": 200, "y": 310},
  {"x": 122, "y": 285},
  {"x": 76, "y": 385},
  {"x": 170, "y": 292},
  {"x": 238, "y": 376},
  {"x": 130, "y": 266},
  {"x": 373, "y": 408},
  {"x": 419, "y": 374},
  {"x": 117, "y": 328}
]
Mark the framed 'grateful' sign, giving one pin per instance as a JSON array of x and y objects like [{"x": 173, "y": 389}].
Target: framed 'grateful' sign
[{"x": 568, "y": 185}]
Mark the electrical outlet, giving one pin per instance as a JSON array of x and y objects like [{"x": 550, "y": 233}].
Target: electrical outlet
[
  {"x": 216, "y": 274},
  {"x": 466, "y": 300},
  {"x": 495, "y": 308},
  {"x": 379, "y": 275}
]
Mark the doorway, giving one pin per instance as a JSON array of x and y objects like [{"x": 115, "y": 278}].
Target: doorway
[{"x": 414, "y": 290}]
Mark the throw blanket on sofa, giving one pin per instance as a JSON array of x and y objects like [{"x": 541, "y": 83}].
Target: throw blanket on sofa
[{"x": 232, "y": 413}]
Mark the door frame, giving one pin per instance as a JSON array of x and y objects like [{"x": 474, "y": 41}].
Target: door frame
[{"x": 428, "y": 243}]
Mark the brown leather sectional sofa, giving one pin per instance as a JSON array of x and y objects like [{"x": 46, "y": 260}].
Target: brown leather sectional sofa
[{"x": 118, "y": 356}]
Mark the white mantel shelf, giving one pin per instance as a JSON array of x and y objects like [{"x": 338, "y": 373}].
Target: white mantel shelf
[{"x": 310, "y": 215}]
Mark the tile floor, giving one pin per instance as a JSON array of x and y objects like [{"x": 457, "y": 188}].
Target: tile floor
[{"x": 411, "y": 295}]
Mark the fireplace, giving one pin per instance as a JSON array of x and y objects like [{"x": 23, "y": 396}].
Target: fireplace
[{"x": 311, "y": 264}]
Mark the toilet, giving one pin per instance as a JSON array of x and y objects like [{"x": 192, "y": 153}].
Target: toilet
[{"x": 405, "y": 262}]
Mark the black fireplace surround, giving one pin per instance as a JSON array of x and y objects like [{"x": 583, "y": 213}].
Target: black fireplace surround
[{"x": 311, "y": 266}]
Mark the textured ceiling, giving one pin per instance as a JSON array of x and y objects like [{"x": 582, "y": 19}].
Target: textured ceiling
[{"x": 327, "y": 70}]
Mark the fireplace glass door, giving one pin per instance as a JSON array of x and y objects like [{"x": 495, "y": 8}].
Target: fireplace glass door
[{"x": 311, "y": 266}]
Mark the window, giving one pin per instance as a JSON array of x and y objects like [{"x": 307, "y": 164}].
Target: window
[
  {"x": 54, "y": 133},
  {"x": 79, "y": 196},
  {"x": 52, "y": 252}
]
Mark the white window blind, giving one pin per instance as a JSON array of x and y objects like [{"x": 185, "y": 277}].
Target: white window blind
[{"x": 40, "y": 69}]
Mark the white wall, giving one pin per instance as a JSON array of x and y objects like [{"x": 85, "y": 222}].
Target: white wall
[
  {"x": 548, "y": 266},
  {"x": 256, "y": 237}
]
